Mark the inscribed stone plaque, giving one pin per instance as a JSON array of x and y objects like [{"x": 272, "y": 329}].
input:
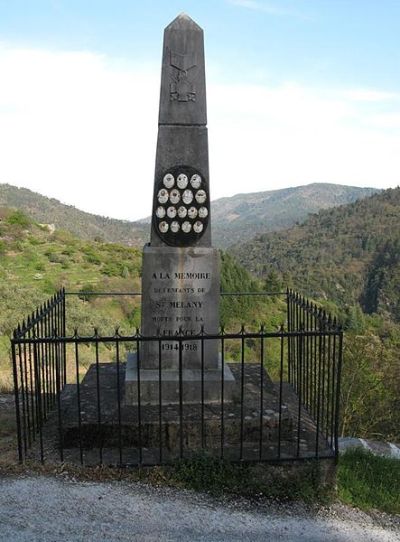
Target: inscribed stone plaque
[{"x": 181, "y": 288}]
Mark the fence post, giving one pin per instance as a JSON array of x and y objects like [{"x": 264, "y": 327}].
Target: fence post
[
  {"x": 300, "y": 391},
  {"x": 63, "y": 332},
  {"x": 289, "y": 328},
  {"x": 38, "y": 390},
  {"x": 16, "y": 396},
  {"x": 57, "y": 344},
  {"x": 338, "y": 377}
]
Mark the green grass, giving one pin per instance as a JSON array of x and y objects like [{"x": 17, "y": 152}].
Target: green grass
[
  {"x": 363, "y": 480},
  {"x": 280, "y": 483},
  {"x": 368, "y": 481}
]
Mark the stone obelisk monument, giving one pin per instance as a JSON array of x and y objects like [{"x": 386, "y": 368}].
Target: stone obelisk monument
[{"x": 181, "y": 270}]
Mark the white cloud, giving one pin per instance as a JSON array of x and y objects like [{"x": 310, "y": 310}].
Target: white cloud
[
  {"x": 386, "y": 121},
  {"x": 291, "y": 135},
  {"x": 82, "y": 128},
  {"x": 369, "y": 95}
]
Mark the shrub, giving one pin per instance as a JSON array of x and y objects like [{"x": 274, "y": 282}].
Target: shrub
[
  {"x": 18, "y": 218},
  {"x": 113, "y": 269},
  {"x": 87, "y": 288}
]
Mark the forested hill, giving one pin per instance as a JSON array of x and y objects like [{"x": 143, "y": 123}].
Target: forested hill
[
  {"x": 234, "y": 219},
  {"x": 349, "y": 254},
  {"x": 35, "y": 262},
  {"x": 241, "y": 217},
  {"x": 66, "y": 217}
]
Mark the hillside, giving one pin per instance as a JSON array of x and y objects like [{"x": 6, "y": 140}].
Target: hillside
[
  {"x": 349, "y": 254},
  {"x": 234, "y": 219},
  {"x": 66, "y": 217},
  {"x": 35, "y": 262},
  {"x": 348, "y": 258},
  {"x": 241, "y": 217}
]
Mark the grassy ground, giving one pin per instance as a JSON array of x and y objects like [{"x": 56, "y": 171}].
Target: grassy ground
[
  {"x": 307, "y": 482},
  {"x": 369, "y": 481},
  {"x": 363, "y": 480}
]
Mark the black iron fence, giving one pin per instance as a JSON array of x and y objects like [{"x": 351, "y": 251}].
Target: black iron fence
[{"x": 273, "y": 397}]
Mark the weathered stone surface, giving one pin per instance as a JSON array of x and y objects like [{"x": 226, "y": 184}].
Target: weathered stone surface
[
  {"x": 181, "y": 271},
  {"x": 193, "y": 386},
  {"x": 124, "y": 420},
  {"x": 183, "y": 89},
  {"x": 143, "y": 439},
  {"x": 182, "y": 133},
  {"x": 181, "y": 288},
  {"x": 185, "y": 145}
]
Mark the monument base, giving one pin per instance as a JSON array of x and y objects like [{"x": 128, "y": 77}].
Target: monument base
[
  {"x": 191, "y": 385},
  {"x": 245, "y": 430}
]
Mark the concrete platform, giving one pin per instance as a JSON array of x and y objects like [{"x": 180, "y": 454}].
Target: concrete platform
[
  {"x": 192, "y": 384},
  {"x": 105, "y": 429}
]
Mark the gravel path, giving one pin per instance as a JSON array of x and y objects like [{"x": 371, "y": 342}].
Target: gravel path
[{"x": 45, "y": 509}]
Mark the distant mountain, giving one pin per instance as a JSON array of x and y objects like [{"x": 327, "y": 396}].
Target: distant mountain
[
  {"x": 241, "y": 217},
  {"x": 349, "y": 254},
  {"x": 66, "y": 217},
  {"x": 234, "y": 219}
]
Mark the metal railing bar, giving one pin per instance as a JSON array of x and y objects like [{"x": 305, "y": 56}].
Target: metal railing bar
[
  {"x": 38, "y": 390},
  {"x": 59, "y": 413},
  {"x": 160, "y": 402},
  {"x": 98, "y": 403},
  {"x": 143, "y": 338},
  {"x": 134, "y": 294},
  {"x": 300, "y": 391},
  {"x": 338, "y": 377},
  {"x": 117, "y": 358},
  {"x": 203, "y": 436},
  {"x": 242, "y": 396},
  {"x": 16, "y": 399},
  {"x": 261, "y": 394},
  {"x": 105, "y": 294},
  {"x": 138, "y": 362},
  {"x": 28, "y": 414},
  {"x": 222, "y": 396},
  {"x": 180, "y": 400},
  {"x": 280, "y": 396},
  {"x": 78, "y": 396},
  {"x": 334, "y": 383},
  {"x": 22, "y": 374}
]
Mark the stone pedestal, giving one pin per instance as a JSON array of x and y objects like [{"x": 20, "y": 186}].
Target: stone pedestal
[
  {"x": 181, "y": 287},
  {"x": 194, "y": 387}
]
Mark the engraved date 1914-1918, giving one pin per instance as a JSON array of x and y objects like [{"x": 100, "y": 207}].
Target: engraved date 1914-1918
[{"x": 183, "y": 346}]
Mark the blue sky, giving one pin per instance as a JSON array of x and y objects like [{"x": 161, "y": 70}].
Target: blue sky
[
  {"x": 337, "y": 42},
  {"x": 304, "y": 91}
]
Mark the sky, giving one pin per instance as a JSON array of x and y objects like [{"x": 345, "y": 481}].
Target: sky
[{"x": 298, "y": 91}]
